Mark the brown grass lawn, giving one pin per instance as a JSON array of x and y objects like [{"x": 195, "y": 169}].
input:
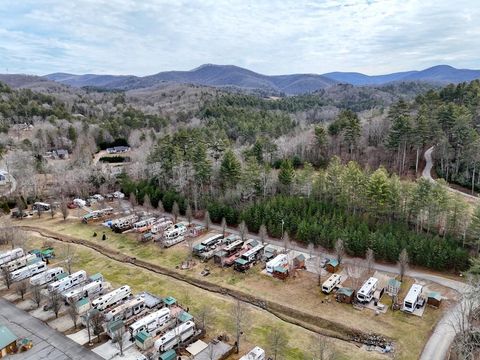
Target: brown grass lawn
[{"x": 409, "y": 332}]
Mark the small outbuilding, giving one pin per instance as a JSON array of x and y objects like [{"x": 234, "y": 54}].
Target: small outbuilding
[
  {"x": 144, "y": 340},
  {"x": 299, "y": 262},
  {"x": 280, "y": 272},
  {"x": 82, "y": 305},
  {"x": 8, "y": 342},
  {"x": 345, "y": 295},
  {"x": 393, "y": 287},
  {"x": 184, "y": 316},
  {"x": 169, "y": 301},
  {"x": 114, "y": 327},
  {"x": 434, "y": 299},
  {"x": 169, "y": 355},
  {"x": 332, "y": 266}
]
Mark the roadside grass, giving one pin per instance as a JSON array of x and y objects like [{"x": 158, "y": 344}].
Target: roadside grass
[
  {"x": 408, "y": 331},
  {"x": 259, "y": 322}
]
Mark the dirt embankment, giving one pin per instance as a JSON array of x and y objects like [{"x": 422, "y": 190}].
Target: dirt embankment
[{"x": 305, "y": 320}]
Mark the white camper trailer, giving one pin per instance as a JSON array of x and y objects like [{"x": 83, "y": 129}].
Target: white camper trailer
[
  {"x": 365, "y": 294},
  {"x": 413, "y": 296},
  {"x": 151, "y": 323},
  {"x": 173, "y": 337},
  {"x": 126, "y": 310},
  {"x": 46, "y": 276},
  {"x": 28, "y": 271},
  {"x": 11, "y": 255},
  {"x": 112, "y": 298},
  {"x": 144, "y": 225},
  {"x": 21, "y": 262},
  {"x": 68, "y": 282},
  {"x": 161, "y": 225},
  {"x": 257, "y": 353},
  {"x": 87, "y": 291},
  {"x": 279, "y": 260},
  {"x": 331, "y": 283}
]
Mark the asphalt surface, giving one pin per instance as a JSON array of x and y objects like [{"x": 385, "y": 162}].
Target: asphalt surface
[{"x": 48, "y": 344}]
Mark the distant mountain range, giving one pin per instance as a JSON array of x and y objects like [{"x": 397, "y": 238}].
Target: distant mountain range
[{"x": 234, "y": 76}]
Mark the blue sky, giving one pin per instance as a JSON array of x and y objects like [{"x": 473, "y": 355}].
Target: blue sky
[{"x": 268, "y": 36}]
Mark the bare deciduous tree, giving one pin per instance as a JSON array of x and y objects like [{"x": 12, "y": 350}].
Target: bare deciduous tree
[
  {"x": 160, "y": 207},
  {"x": 339, "y": 250},
  {"x": 55, "y": 302},
  {"x": 205, "y": 315},
  {"x": 64, "y": 209},
  {"x": 242, "y": 230},
  {"x": 319, "y": 268},
  {"x": 147, "y": 204},
  {"x": 133, "y": 200},
  {"x": 73, "y": 313},
  {"x": 175, "y": 211},
  {"x": 320, "y": 349},
  {"x": 286, "y": 241},
  {"x": 370, "y": 260},
  {"x": 311, "y": 250},
  {"x": 21, "y": 288},
  {"x": 189, "y": 214},
  {"x": 224, "y": 226},
  {"x": 277, "y": 342},
  {"x": 96, "y": 321},
  {"x": 207, "y": 220},
  {"x": 118, "y": 339},
  {"x": 403, "y": 263},
  {"x": 68, "y": 257},
  {"x": 262, "y": 233},
  {"x": 239, "y": 313},
  {"x": 7, "y": 276},
  {"x": 36, "y": 295},
  {"x": 356, "y": 272}
]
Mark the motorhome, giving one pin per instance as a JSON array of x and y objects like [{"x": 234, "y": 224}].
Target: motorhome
[
  {"x": 233, "y": 247},
  {"x": 413, "y": 297},
  {"x": 229, "y": 261},
  {"x": 88, "y": 291},
  {"x": 97, "y": 214},
  {"x": 112, "y": 298},
  {"x": 257, "y": 353},
  {"x": 173, "y": 337},
  {"x": 152, "y": 323},
  {"x": 174, "y": 235},
  {"x": 365, "y": 294},
  {"x": 46, "y": 276},
  {"x": 331, "y": 283},
  {"x": 28, "y": 271},
  {"x": 126, "y": 310},
  {"x": 41, "y": 206},
  {"x": 75, "y": 279},
  {"x": 144, "y": 225},
  {"x": 160, "y": 225},
  {"x": 124, "y": 223},
  {"x": 279, "y": 260},
  {"x": 21, "y": 262},
  {"x": 212, "y": 240},
  {"x": 248, "y": 259},
  {"x": 8, "y": 256}
]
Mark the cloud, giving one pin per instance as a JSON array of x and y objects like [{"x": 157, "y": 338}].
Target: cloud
[{"x": 269, "y": 36}]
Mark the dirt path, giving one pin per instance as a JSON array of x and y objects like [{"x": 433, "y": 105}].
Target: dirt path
[{"x": 296, "y": 317}]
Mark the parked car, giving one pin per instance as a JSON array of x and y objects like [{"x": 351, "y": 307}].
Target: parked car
[
  {"x": 72, "y": 205},
  {"x": 98, "y": 197},
  {"x": 79, "y": 202},
  {"x": 118, "y": 195}
]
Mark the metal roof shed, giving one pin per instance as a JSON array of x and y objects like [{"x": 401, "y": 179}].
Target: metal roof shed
[
  {"x": 6, "y": 337},
  {"x": 169, "y": 355},
  {"x": 170, "y": 300},
  {"x": 184, "y": 317}
]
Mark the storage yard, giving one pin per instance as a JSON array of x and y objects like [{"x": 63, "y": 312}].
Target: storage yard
[{"x": 191, "y": 265}]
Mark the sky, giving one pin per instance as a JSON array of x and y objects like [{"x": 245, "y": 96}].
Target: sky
[{"x": 267, "y": 36}]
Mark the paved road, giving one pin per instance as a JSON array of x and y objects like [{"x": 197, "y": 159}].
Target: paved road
[
  {"x": 427, "y": 173},
  {"x": 48, "y": 343}
]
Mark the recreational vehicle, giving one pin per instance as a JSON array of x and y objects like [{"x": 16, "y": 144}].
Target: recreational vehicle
[
  {"x": 28, "y": 271},
  {"x": 331, "y": 283},
  {"x": 46, "y": 276},
  {"x": 21, "y": 262},
  {"x": 233, "y": 247},
  {"x": 279, "y": 260},
  {"x": 256, "y": 353},
  {"x": 126, "y": 310},
  {"x": 365, "y": 294},
  {"x": 161, "y": 225},
  {"x": 68, "y": 282},
  {"x": 8, "y": 256},
  {"x": 173, "y": 337},
  {"x": 144, "y": 225},
  {"x": 212, "y": 240},
  {"x": 174, "y": 235},
  {"x": 124, "y": 223},
  {"x": 112, "y": 298},
  {"x": 41, "y": 206},
  {"x": 97, "y": 214},
  {"x": 413, "y": 297},
  {"x": 248, "y": 259},
  {"x": 153, "y": 323},
  {"x": 87, "y": 291}
]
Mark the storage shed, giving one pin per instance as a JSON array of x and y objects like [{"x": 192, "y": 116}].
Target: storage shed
[
  {"x": 332, "y": 266},
  {"x": 115, "y": 326},
  {"x": 184, "y": 317},
  {"x": 144, "y": 340},
  {"x": 170, "y": 301},
  {"x": 169, "y": 355},
  {"x": 393, "y": 287},
  {"x": 299, "y": 262},
  {"x": 345, "y": 295},
  {"x": 434, "y": 299},
  {"x": 8, "y": 342},
  {"x": 82, "y": 305}
]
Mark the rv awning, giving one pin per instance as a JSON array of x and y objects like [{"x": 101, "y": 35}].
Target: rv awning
[
  {"x": 241, "y": 261},
  {"x": 280, "y": 269}
]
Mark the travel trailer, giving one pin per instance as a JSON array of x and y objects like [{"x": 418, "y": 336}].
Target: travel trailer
[
  {"x": 21, "y": 262},
  {"x": 331, "y": 283},
  {"x": 413, "y": 297},
  {"x": 112, "y": 298},
  {"x": 173, "y": 337},
  {"x": 88, "y": 291},
  {"x": 46, "y": 276},
  {"x": 41, "y": 206},
  {"x": 68, "y": 282},
  {"x": 365, "y": 294},
  {"x": 174, "y": 235},
  {"x": 160, "y": 225},
  {"x": 8, "y": 256},
  {"x": 126, "y": 310},
  {"x": 152, "y": 323},
  {"x": 256, "y": 353},
  {"x": 144, "y": 225},
  {"x": 279, "y": 260},
  {"x": 28, "y": 271},
  {"x": 248, "y": 259}
]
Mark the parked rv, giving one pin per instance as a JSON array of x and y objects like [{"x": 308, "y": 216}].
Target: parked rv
[
  {"x": 173, "y": 337},
  {"x": 279, "y": 260},
  {"x": 413, "y": 298},
  {"x": 152, "y": 323},
  {"x": 126, "y": 310},
  {"x": 174, "y": 235},
  {"x": 88, "y": 291},
  {"x": 256, "y": 353},
  {"x": 161, "y": 224},
  {"x": 248, "y": 259},
  {"x": 8, "y": 256},
  {"x": 46, "y": 276},
  {"x": 144, "y": 225},
  {"x": 41, "y": 206},
  {"x": 112, "y": 298},
  {"x": 21, "y": 262},
  {"x": 28, "y": 271},
  {"x": 68, "y": 282},
  {"x": 365, "y": 294},
  {"x": 331, "y": 283}
]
